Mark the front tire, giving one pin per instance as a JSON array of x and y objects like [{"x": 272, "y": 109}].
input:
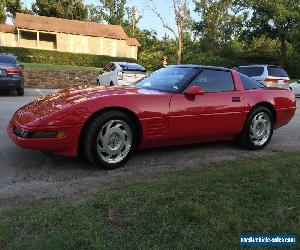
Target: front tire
[
  {"x": 258, "y": 129},
  {"x": 109, "y": 140}
]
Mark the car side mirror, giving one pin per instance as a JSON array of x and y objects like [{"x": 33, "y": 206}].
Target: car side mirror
[{"x": 194, "y": 90}]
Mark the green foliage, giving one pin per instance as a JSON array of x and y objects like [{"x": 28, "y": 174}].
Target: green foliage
[
  {"x": 207, "y": 207},
  {"x": 94, "y": 14},
  {"x": 57, "y": 67},
  {"x": 2, "y": 11},
  {"x": 221, "y": 21},
  {"x": 68, "y": 9},
  {"x": 54, "y": 57},
  {"x": 295, "y": 39},
  {"x": 113, "y": 11},
  {"x": 14, "y": 6},
  {"x": 151, "y": 60},
  {"x": 275, "y": 19},
  {"x": 265, "y": 45}
]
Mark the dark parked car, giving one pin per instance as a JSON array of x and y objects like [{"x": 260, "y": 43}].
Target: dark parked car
[{"x": 11, "y": 74}]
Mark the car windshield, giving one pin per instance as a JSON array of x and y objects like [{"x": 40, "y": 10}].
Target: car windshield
[
  {"x": 169, "y": 79},
  {"x": 109, "y": 67},
  {"x": 7, "y": 59}
]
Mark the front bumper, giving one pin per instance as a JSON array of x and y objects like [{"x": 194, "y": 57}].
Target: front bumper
[{"x": 67, "y": 145}]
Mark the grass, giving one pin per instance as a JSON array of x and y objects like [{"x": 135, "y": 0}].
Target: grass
[
  {"x": 57, "y": 67},
  {"x": 206, "y": 208}
]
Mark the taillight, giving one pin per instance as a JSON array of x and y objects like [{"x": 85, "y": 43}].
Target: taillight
[
  {"x": 14, "y": 71},
  {"x": 286, "y": 81},
  {"x": 271, "y": 81}
]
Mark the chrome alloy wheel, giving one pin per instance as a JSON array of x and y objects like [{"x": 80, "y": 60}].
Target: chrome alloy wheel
[
  {"x": 260, "y": 129},
  {"x": 114, "y": 141}
]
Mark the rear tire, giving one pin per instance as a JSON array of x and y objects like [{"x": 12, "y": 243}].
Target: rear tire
[
  {"x": 109, "y": 139},
  {"x": 258, "y": 129},
  {"x": 20, "y": 92}
]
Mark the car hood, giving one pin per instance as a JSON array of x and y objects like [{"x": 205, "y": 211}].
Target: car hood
[{"x": 67, "y": 99}]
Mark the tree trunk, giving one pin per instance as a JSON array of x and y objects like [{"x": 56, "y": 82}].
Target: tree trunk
[
  {"x": 179, "y": 51},
  {"x": 282, "y": 50}
]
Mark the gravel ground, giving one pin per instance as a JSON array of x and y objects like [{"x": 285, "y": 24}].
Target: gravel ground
[{"x": 26, "y": 175}]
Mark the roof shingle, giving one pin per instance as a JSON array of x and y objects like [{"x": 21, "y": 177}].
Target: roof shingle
[
  {"x": 132, "y": 42},
  {"x": 60, "y": 25},
  {"x": 6, "y": 28}
]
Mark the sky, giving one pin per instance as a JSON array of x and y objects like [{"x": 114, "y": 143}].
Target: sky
[{"x": 149, "y": 19}]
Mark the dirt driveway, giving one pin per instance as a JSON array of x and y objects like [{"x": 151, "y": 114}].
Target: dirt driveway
[{"x": 26, "y": 174}]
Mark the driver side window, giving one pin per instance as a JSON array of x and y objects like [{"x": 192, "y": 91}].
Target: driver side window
[{"x": 213, "y": 81}]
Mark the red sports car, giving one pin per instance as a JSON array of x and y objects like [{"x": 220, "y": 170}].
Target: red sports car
[{"x": 175, "y": 105}]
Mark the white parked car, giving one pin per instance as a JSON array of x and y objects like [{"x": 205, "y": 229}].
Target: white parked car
[
  {"x": 121, "y": 73},
  {"x": 269, "y": 75},
  {"x": 295, "y": 87}
]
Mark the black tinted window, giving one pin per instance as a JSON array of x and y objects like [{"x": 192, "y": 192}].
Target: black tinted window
[
  {"x": 250, "y": 71},
  {"x": 276, "y": 71},
  {"x": 249, "y": 83},
  {"x": 7, "y": 59},
  {"x": 214, "y": 81}
]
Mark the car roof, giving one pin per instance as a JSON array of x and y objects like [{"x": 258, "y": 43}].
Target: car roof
[
  {"x": 126, "y": 63},
  {"x": 199, "y": 66},
  {"x": 5, "y": 54}
]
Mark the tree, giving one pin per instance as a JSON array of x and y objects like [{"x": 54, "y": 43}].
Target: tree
[
  {"x": 14, "y": 6},
  {"x": 112, "y": 11},
  {"x": 221, "y": 21},
  {"x": 94, "y": 13},
  {"x": 276, "y": 19},
  {"x": 182, "y": 19},
  {"x": 2, "y": 11},
  {"x": 68, "y": 9}
]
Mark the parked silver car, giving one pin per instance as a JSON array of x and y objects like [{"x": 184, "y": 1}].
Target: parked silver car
[
  {"x": 270, "y": 75},
  {"x": 121, "y": 73},
  {"x": 295, "y": 87}
]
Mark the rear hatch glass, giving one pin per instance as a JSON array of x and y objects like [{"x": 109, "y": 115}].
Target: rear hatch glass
[
  {"x": 133, "y": 67},
  {"x": 8, "y": 60},
  {"x": 251, "y": 71},
  {"x": 277, "y": 71}
]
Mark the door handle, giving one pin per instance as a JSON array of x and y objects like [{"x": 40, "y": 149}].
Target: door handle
[{"x": 236, "y": 99}]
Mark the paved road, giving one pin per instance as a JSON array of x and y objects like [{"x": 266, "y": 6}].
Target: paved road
[{"x": 27, "y": 174}]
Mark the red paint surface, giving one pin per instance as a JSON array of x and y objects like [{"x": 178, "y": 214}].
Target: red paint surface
[{"x": 166, "y": 118}]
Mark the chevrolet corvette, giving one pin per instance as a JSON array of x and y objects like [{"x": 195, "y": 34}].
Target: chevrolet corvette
[{"x": 182, "y": 104}]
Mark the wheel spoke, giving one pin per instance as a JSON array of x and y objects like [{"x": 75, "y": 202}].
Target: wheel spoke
[
  {"x": 114, "y": 141},
  {"x": 260, "y": 129}
]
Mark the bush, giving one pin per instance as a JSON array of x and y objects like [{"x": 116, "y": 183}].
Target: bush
[
  {"x": 293, "y": 66},
  {"x": 63, "y": 58},
  {"x": 151, "y": 60}
]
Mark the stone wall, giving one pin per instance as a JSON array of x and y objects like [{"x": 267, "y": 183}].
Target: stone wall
[{"x": 44, "y": 78}]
